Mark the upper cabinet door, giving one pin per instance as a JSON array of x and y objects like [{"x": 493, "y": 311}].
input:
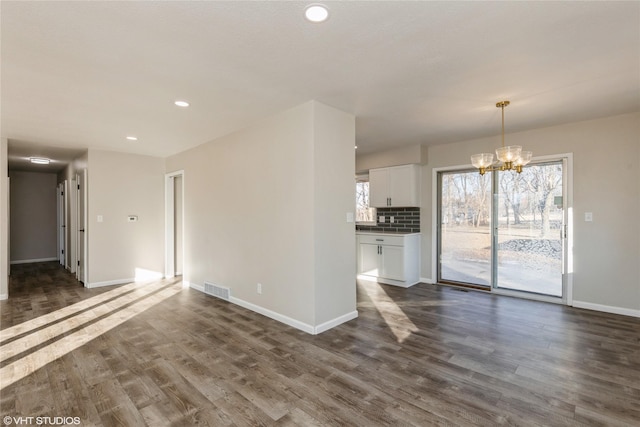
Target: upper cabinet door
[
  {"x": 403, "y": 186},
  {"x": 379, "y": 188},
  {"x": 395, "y": 186}
]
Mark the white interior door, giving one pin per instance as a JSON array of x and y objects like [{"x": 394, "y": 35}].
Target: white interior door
[
  {"x": 66, "y": 232},
  {"x": 72, "y": 247},
  {"x": 61, "y": 224},
  {"x": 81, "y": 272}
]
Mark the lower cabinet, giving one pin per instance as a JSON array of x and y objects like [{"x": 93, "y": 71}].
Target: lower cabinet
[{"x": 390, "y": 259}]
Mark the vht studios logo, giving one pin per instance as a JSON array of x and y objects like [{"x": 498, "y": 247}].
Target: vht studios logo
[{"x": 41, "y": 421}]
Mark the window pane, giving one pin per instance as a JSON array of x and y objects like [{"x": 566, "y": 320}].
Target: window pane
[
  {"x": 363, "y": 212},
  {"x": 530, "y": 220},
  {"x": 465, "y": 229}
]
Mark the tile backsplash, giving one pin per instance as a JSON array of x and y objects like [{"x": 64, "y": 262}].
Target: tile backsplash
[{"x": 405, "y": 220}]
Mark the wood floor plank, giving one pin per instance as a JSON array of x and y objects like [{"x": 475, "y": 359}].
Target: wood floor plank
[{"x": 427, "y": 355}]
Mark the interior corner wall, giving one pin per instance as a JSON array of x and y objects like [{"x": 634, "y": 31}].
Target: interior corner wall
[
  {"x": 73, "y": 168},
  {"x": 4, "y": 219},
  {"x": 334, "y": 239},
  {"x": 250, "y": 214},
  {"x": 606, "y": 182},
  {"x": 120, "y": 185},
  {"x": 33, "y": 217}
]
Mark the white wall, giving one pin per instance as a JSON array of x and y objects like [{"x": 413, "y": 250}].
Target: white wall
[
  {"x": 120, "y": 185},
  {"x": 606, "y": 180},
  {"x": 4, "y": 220},
  {"x": 334, "y": 196},
  {"x": 254, "y": 201},
  {"x": 33, "y": 217}
]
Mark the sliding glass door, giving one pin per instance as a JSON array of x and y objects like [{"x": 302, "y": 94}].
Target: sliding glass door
[
  {"x": 529, "y": 229},
  {"x": 465, "y": 228},
  {"x": 504, "y": 231}
]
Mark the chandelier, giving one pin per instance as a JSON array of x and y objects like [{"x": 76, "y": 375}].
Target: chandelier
[{"x": 510, "y": 157}]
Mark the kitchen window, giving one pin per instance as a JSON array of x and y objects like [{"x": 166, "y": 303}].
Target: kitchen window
[{"x": 365, "y": 215}]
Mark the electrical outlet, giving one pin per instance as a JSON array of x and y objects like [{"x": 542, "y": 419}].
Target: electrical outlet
[
  {"x": 392, "y": 219},
  {"x": 259, "y": 288},
  {"x": 381, "y": 218}
]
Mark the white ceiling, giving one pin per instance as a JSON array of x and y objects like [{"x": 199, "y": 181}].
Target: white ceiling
[{"x": 87, "y": 74}]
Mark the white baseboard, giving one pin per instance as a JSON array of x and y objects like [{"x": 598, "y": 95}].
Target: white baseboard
[
  {"x": 335, "y": 322},
  {"x": 4, "y": 297},
  {"x": 606, "y": 308},
  {"x": 400, "y": 283},
  {"x": 197, "y": 287},
  {"x": 273, "y": 315},
  {"x": 426, "y": 280},
  {"x": 30, "y": 261},
  {"x": 286, "y": 319},
  {"x": 109, "y": 283}
]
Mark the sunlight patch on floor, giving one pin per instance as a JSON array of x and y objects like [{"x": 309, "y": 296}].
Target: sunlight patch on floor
[
  {"x": 147, "y": 296},
  {"x": 382, "y": 304},
  {"x": 70, "y": 310},
  {"x": 399, "y": 324}
]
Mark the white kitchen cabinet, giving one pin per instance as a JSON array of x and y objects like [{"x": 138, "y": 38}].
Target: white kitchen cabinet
[
  {"x": 395, "y": 186},
  {"x": 391, "y": 259}
]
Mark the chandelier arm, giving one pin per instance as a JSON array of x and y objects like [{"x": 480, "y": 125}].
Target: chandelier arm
[{"x": 502, "y": 124}]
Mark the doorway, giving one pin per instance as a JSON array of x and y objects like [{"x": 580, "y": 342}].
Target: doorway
[
  {"x": 505, "y": 232},
  {"x": 174, "y": 224}
]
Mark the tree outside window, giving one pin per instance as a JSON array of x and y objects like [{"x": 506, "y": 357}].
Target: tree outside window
[{"x": 364, "y": 213}]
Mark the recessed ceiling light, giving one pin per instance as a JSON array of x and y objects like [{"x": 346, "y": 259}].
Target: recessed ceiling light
[
  {"x": 132, "y": 138},
  {"x": 182, "y": 103},
  {"x": 316, "y": 13},
  {"x": 39, "y": 160}
]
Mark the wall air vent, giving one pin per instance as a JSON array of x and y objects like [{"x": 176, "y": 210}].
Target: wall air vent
[{"x": 217, "y": 291}]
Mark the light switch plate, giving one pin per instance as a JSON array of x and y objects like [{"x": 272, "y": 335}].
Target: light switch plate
[
  {"x": 588, "y": 216},
  {"x": 100, "y": 218},
  {"x": 349, "y": 216}
]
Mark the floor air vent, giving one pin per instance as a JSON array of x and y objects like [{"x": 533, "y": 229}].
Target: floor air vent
[{"x": 217, "y": 291}]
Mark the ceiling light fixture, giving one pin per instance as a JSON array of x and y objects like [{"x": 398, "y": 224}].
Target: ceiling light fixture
[
  {"x": 511, "y": 157},
  {"x": 132, "y": 138},
  {"x": 39, "y": 160},
  {"x": 316, "y": 13},
  {"x": 182, "y": 103}
]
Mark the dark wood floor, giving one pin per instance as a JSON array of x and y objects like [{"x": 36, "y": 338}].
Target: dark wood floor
[{"x": 427, "y": 355}]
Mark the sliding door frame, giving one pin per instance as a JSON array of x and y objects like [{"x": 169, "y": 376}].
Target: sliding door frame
[{"x": 567, "y": 242}]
